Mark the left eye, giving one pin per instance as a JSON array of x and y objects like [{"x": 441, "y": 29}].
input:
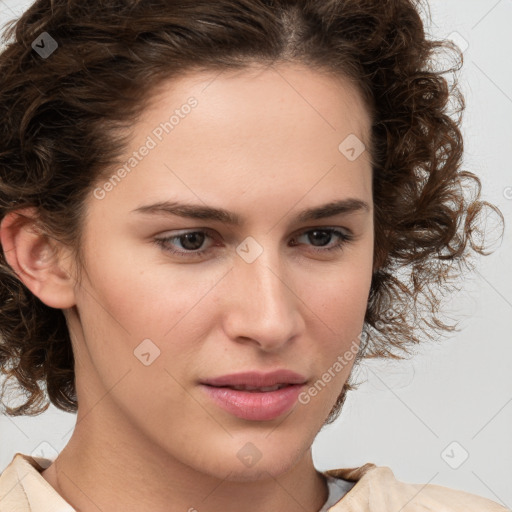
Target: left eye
[{"x": 191, "y": 241}]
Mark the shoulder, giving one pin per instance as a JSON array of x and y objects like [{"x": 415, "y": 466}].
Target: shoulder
[
  {"x": 23, "y": 488},
  {"x": 377, "y": 490},
  {"x": 12, "y": 496}
]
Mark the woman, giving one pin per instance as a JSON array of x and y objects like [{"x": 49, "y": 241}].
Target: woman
[{"x": 204, "y": 209}]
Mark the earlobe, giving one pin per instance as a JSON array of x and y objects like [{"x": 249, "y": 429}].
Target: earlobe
[{"x": 33, "y": 256}]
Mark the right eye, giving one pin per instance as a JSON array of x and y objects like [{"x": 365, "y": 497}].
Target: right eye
[{"x": 190, "y": 241}]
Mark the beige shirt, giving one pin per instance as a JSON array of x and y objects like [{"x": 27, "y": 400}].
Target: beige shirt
[{"x": 370, "y": 488}]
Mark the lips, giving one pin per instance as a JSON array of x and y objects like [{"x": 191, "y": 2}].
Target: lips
[
  {"x": 257, "y": 389},
  {"x": 257, "y": 381},
  {"x": 255, "y": 396},
  {"x": 255, "y": 403}
]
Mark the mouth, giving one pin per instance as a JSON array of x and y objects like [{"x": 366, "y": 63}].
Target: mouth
[
  {"x": 257, "y": 381},
  {"x": 254, "y": 396},
  {"x": 253, "y": 389}
]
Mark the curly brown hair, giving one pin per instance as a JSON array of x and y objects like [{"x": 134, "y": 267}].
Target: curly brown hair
[{"x": 63, "y": 115}]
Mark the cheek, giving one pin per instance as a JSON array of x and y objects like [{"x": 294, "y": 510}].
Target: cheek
[
  {"x": 342, "y": 296},
  {"x": 121, "y": 309},
  {"x": 141, "y": 295},
  {"x": 167, "y": 306},
  {"x": 340, "y": 306}
]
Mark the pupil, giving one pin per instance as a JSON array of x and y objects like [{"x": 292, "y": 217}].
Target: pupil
[
  {"x": 323, "y": 235},
  {"x": 192, "y": 236}
]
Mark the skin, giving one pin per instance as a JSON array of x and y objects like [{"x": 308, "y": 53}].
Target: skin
[{"x": 262, "y": 143}]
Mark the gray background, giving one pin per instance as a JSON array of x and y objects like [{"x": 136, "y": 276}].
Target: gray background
[{"x": 445, "y": 416}]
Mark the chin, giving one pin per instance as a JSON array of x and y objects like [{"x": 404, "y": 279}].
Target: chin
[
  {"x": 272, "y": 468},
  {"x": 255, "y": 458}
]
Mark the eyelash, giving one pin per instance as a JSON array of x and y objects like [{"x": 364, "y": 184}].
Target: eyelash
[{"x": 161, "y": 242}]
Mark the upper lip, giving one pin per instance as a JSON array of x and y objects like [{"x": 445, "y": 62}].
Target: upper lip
[{"x": 257, "y": 379}]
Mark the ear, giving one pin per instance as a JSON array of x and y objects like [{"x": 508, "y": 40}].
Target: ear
[{"x": 40, "y": 262}]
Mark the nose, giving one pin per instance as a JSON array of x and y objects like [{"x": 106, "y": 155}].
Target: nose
[{"x": 261, "y": 305}]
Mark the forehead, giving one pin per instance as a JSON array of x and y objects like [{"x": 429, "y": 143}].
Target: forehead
[
  {"x": 248, "y": 135},
  {"x": 286, "y": 88}
]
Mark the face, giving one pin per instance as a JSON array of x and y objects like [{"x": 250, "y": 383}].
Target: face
[{"x": 168, "y": 300}]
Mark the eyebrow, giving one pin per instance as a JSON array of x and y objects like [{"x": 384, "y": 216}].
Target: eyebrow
[{"x": 195, "y": 211}]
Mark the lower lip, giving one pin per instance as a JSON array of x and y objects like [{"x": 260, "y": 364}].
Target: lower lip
[{"x": 255, "y": 405}]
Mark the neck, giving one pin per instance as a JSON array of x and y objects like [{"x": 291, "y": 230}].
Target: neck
[{"x": 103, "y": 468}]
